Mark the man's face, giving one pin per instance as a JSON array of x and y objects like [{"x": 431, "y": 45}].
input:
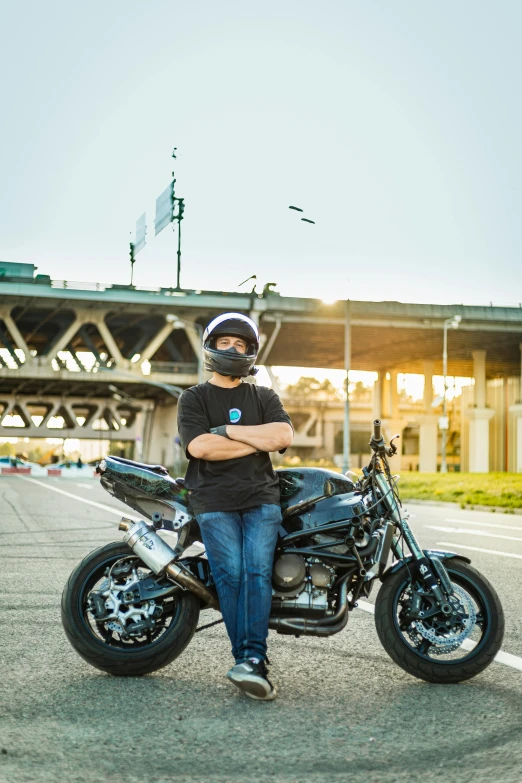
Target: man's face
[{"x": 229, "y": 341}]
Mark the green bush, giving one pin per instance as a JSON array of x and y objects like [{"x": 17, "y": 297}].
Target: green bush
[{"x": 488, "y": 489}]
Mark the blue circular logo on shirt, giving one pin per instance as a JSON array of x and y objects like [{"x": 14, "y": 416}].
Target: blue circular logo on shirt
[{"x": 235, "y": 415}]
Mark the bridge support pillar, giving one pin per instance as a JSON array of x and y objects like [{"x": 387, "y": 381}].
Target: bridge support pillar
[
  {"x": 393, "y": 427},
  {"x": 516, "y": 410},
  {"x": 161, "y": 440},
  {"x": 428, "y": 437},
  {"x": 393, "y": 424},
  {"x": 140, "y": 450},
  {"x": 329, "y": 439},
  {"x": 377, "y": 397},
  {"x": 479, "y": 417},
  {"x": 428, "y": 442}
]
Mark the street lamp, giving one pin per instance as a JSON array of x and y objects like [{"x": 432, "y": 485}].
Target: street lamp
[
  {"x": 347, "y": 363},
  {"x": 449, "y": 323}
]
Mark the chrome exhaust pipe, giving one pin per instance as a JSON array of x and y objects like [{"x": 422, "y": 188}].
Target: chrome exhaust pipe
[
  {"x": 303, "y": 629},
  {"x": 186, "y": 579},
  {"x": 159, "y": 557}
]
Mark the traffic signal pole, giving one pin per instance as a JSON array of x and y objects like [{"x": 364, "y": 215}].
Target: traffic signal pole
[
  {"x": 179, "y": 257},
  {"x": 132, "y": 260},
  {"x": 179, "y": 218}
]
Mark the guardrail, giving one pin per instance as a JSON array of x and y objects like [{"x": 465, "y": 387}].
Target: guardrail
[
  {"x": 75, "y": 285},
  {"x": 174, "y": 367},
  {"x": 37, "y": 471}
]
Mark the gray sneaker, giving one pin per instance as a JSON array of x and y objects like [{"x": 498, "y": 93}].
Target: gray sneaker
[{"x": 251, "y": 677}]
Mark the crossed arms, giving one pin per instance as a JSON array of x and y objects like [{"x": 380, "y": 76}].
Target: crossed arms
[{"x": 241, "y": 441}]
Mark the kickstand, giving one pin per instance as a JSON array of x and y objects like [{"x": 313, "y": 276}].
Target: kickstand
[{"x": 209, "y": 625}]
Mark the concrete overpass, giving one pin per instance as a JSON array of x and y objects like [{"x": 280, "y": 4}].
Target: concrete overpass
[{"x": 65, "y": 341}]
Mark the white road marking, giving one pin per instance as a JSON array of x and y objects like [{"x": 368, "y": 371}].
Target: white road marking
[
  {"x": 509, "y": 660},
  {"x": 478, "y": 549},
  {"x": 84, "y": 486},
  {"x": 514, "y": 661},
  {"x": 472, "y": 532},
  {"x": 109, "y": 509},
  {"x": 483, "y": 524}
]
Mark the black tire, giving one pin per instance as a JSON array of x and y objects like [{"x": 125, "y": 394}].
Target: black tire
[
  {"x": 122, "y": 662},
  {"x": 423, "y": 666}
]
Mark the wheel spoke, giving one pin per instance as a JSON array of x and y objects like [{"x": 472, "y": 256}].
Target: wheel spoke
[{"x": 97, "y": 581}]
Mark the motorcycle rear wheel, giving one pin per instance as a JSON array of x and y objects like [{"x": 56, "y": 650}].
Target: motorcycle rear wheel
[
  {"x": 114, "y": 655},
  {"x": 412, "y": 652}
]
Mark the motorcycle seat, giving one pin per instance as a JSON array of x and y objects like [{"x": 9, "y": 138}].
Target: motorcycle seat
[{"x": 152, "y": 468}]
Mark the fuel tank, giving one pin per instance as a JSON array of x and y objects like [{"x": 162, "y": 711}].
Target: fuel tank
[
  {"x": 312, "y": 497},
  {"x": 302, "y": 486}
]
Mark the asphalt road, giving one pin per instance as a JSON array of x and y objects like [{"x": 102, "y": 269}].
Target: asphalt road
[{"x": 345, "y": 711}]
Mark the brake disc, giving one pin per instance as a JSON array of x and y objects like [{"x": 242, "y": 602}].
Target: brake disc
[
  {"x": 445, "y": 640},
  {"x": 116, "y": 596}
]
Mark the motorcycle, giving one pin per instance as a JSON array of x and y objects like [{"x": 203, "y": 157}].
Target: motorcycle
[{"x": 132, "y": 607}]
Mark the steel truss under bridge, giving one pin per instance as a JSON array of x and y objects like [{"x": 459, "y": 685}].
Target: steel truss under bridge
[{"x": 71, "y": 417}]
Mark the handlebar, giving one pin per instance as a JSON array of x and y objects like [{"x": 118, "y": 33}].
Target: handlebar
[{"x": 377, "y": 441}]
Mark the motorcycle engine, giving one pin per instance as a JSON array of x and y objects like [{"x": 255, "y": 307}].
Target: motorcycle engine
[
  {"x": 289, "y": 575},
  {"x": 300, "y": 585}
]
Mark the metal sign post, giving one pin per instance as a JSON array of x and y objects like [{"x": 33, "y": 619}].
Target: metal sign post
[
  {"x": 347, "y": 363},
  {"x": 170, "y": 209},
  {"x": 139, "y": 242},
  {"x": 179, "y": 218}
]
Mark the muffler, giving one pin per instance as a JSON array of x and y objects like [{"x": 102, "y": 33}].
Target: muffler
[{"x": 159, "y": 557}]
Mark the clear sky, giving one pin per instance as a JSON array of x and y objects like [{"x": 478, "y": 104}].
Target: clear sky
[{"x": 395, "y": 124}]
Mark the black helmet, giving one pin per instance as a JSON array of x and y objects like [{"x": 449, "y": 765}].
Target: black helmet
[{"x": 231, "y": 362}]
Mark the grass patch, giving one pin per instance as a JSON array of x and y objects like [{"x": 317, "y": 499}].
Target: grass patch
[{"x": 468, "y": 489}]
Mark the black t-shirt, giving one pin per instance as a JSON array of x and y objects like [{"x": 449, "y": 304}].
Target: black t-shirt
[{"x": 233, "y": 484}]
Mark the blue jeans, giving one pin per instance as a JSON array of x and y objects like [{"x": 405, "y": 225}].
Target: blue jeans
[{"x": 240, "y": 548}]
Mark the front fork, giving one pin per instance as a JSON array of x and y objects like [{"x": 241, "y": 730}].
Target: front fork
[{"x": 428, "y": 571}]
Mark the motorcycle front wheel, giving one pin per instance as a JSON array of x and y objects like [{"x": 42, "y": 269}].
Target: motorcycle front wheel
[
  {"x": 102, "y": 644},
  {"x": 437, "y": 647}
]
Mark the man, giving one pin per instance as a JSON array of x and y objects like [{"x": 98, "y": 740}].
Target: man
[{"x": 228, "y": 429}]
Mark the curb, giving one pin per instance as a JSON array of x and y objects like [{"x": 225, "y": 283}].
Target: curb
[{"x": 449, "y": 504}]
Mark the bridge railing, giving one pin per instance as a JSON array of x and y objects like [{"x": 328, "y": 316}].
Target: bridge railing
[{"x": 188, "y": 368}]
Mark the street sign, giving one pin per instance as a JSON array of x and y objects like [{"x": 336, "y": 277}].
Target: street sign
[
  {"x": 141, "y": 231},
  {"x": 443, "y": 422},
  {"x": 164, "y": 209}
]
